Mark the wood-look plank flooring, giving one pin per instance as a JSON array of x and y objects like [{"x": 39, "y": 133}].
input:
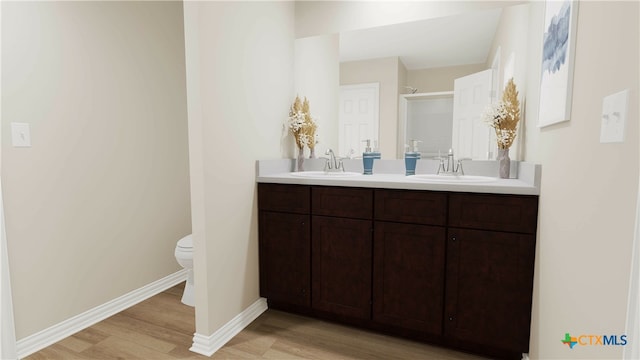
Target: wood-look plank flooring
[{"x": 162, "y": 328}]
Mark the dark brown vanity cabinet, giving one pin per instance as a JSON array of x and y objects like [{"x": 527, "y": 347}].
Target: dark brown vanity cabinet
[
  {"x": 489, "y": 275},
  {"x": 285, "y": 244},
  {"x": 446, "y": 267}
]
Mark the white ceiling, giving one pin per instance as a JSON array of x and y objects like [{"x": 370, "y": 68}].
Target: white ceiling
[{"x": 447, "y": 41}]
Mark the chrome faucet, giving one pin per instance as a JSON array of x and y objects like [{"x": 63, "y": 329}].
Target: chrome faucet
[
  {"x": 452, "y": 167},
  {"x": 333, "y": 164}
]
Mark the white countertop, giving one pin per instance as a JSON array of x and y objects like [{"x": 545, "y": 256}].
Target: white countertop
[{"x": 527, "y": 183}]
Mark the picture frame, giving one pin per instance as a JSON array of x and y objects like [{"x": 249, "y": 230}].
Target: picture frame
[{"x": 557, "y": 61}]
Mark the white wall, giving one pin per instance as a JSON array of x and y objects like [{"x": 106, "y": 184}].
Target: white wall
[
  {"x": 240, "y": 86},
  {"x": 102, "y": 195},
  {"x": 440, "y": 78},
  {"x": 7, "y": 325},
  {"x": 589, "y": 190},
  {"x": 316, "y": 77},
  {"x": 632, "y": 351},
  {"x": 511, "y": 45}
]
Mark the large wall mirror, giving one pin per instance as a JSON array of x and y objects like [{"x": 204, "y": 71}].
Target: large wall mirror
[{"x": 418, "y": 62}]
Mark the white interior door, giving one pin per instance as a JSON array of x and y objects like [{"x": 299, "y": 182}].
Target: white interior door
[
  {"x": 471, "y": 137},
  {"x": 358, "y": 118}
]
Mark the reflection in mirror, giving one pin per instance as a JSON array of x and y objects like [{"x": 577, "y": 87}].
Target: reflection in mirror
[
  {"x": 428, "y": 56},
  {"x": 358, "y": 118},
  {"x": 427, "y": 117}
]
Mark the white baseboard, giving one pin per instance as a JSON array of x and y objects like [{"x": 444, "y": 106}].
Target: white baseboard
[
  {"x": 208, "y": 345},
  {"x": 55, "y": 333}
]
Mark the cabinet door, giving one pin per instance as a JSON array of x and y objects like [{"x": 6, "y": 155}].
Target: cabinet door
[
  {"x": 285, "y": 258},
  {"x": 341, "y": 263},
  {"x": 408, "y": 276},
  {"x": 489, "y": 288}
]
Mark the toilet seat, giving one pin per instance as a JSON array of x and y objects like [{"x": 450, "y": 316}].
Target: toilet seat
[{"x": 186, "y": 243}]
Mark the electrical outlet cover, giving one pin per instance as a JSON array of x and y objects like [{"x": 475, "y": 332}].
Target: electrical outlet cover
[
  {"x": 614, "y": 115},
  {"x": 20, "y": 135}
]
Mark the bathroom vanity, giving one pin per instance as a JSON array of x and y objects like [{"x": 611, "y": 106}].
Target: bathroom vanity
[{"x": 437, "y": 263}]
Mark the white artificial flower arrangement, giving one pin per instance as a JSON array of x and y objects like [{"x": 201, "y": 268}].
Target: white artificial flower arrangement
[
  {"x": 301, "y": 125},
  {"x": 504, "y": 115}
]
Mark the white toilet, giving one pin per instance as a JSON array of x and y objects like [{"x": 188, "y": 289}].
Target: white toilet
[{"x": 184, "y": 255}]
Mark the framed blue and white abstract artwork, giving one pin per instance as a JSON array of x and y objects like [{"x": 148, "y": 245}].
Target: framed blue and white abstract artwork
[{"x": 558, "y": 52}]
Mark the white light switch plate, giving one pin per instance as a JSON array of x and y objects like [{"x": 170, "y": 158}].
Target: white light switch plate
[
  {"x": 20, "y": 135},
  {"x": 614, "y": 115}
]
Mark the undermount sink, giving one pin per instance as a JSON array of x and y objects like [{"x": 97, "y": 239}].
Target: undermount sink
[
  {"x": 324, "y": 175},
  {"x": 453, "y": 178}
]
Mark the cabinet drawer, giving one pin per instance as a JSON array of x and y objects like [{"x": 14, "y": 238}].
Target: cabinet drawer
[
  {"x": 284, "y": 198},
  {"x": 494, "y": 212},
  {"x": 342, "y": 202},
  {"x": 419, "y": 207}
]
